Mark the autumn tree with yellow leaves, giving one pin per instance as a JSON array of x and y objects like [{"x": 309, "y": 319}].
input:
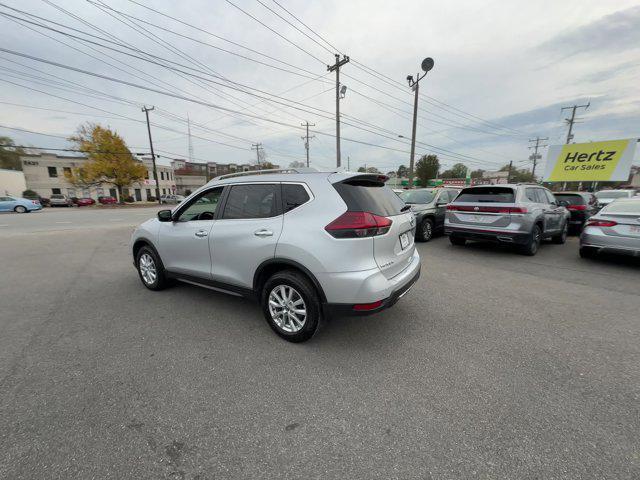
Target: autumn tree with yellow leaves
[{"x": 110, "y": 161}]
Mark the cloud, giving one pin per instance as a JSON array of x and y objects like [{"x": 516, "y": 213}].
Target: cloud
[{"x": 616, "y": 32}]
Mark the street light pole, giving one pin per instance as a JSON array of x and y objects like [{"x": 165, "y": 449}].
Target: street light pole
[{"x": 427, "y": 64}]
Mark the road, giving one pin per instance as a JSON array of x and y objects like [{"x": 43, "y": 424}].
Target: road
[
  {"x": 495, "y": 366},
  {"x": 57, "y": 219}
]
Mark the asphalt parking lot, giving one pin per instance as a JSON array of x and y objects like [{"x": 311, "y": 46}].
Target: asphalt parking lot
[{"x": 495, "y": 365}]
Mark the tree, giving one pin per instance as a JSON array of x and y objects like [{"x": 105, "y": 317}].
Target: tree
[
  {"x": 110, "y": 161},
  {"x": 459, "y": 170},
  {"x": 518, "y": 176},
  {"x": 427, "y": 168},
  {"x": 266, "y": 166},
  {"x": 477, "y": 173},
  {"x": 9, "y": 154},
  {"x": 403, "y": 171},
  {"x": 368, "y": 170},
  {"x": 297, "y": 164}
]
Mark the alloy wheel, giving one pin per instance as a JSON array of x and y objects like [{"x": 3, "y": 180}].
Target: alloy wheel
[
  {"x": 287, "y": 308},
  {"x": 148, "y": 269}
]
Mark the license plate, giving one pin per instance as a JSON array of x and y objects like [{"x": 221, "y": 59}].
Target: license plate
[{"x": 404, "y": 240}]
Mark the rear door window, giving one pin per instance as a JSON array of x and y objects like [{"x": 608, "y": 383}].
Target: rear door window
[
  {"x": 573, "y": 199},
  {"x": 364, "y": 195},
  {"x": 293, "y": 196},
  {"x": 251, "y": 201},
  {"x": 486, "y": 195}
]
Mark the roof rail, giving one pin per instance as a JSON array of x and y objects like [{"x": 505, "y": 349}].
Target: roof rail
[{"x": 267, "y": 171}]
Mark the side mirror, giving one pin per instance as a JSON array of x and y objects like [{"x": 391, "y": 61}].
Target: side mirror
[
  {"x": 165, "y": 216},
  {"x": 563, "y": 203}
]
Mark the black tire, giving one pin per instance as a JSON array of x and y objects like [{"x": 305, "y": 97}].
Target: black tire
[
  {"x": 588, "y": 252},
  {"x": 533, "y": 243},
  {"x": 562, "y": 236},
  {"x": 160, "y": 281},
  {"x": 311, "y": 304},
  {"x": 458, "y": 241},
  {"x": 20, "y": 209},
  {"x": 424, "y": 233}
]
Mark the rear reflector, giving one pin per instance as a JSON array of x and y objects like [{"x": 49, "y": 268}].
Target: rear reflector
[
  {"x": 363, "y": 307},
  {"x": 506, "y": 210},
  {"x": 358, "y": 225},
  {"x": 601, "y": 223},
  {"x": 576, "y": 207}
]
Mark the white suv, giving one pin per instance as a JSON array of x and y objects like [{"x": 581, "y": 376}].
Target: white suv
[{"x": 304, "y": 244}]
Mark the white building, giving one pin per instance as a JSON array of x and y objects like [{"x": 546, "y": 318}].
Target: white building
[
  {"x": 45, "y": 173},
  {"x": 12, "y": 182}
]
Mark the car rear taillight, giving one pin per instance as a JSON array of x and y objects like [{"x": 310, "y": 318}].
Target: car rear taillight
[
  {"x": 601, "y": 223},
  {"x": 576, "y": 207},
  {"x": 358, "y": 225},
  {"x": 466, "y": 208},
  {"x": 365, "y": 307}
]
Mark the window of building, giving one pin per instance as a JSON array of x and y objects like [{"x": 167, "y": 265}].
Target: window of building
[
  {"x": 53, "y": 172},
  {"x": 55, "y": 191},
  {"x": 148, "y": 192},
  {"x": 251, "y": 201},
  {"x": 146, "y": 175},
  {"x": 67, "y": 170},
  {"x": 71, "y": 192},
  {"x": 164, "y": 191},
  {"x": 161, "y": 175},
  {"x": 293, "y": 196}
]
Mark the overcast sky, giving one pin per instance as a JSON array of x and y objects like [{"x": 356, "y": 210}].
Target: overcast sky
[{"x": 503, "y": 70}]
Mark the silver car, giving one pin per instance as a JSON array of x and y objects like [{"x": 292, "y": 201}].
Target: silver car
[
  {"x": 616, "y": 228},
  {"x": 605, "y": 197},
  {"x": 519, "y": 214},
  {"x": 59, "y": 200},
  {"x": 305, "y": 244}
]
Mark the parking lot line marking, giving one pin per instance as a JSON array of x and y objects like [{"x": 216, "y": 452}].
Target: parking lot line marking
[
  {"x": 4, "y": 225},
  {"x": 63, "y": 223},
  {"x": 115, "y": 219}
]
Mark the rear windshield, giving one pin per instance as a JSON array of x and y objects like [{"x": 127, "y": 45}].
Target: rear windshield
[
  {"x": 612, "y": 194},
  {"x": 571, "y": 199},
  {"x": 369, "y": 196},
  {"x": 418, "y": 196},
  {"x": 623, "y": 207},
  {"x": 486, "y": 195}
]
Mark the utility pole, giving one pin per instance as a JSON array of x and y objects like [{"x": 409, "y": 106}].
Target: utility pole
[
  {"x": 509, "y": 173},
  {"x": 570, "y": 122},
  {"x": 190, "y": 144},
  {"x": 427, "y": 64},
  {"x": 153, "y": 155},
  {"x": 258, "y": 147},
  {"x": 336, "y": 66},
  {"x": 306, "y": 138},
  {"x": 348, "y": 163},
  {"x": 535, "y": 155}
]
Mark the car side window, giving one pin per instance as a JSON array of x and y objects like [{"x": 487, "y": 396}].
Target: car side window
[
  {"x": 530, "y": 193},
  {"x": 251, "y": 201},
  {"x": 549, "y": 196},
  {"x": 293, "y": 196},
  {"x": 203, "y": 208}
]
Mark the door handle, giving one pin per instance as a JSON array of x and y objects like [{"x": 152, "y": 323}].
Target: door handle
[
  {"x": 201, "y": 233},
  {"x": 263, "y": 233}
]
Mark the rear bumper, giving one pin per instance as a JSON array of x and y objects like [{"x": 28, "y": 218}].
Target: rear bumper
[
  {"x": 347, "y": 309},
  {"x": 594, "y": 237},
  {"x": 498, "y": 236}
]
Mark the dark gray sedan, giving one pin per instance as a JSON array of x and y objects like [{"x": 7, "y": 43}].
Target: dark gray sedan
[
  {"x": 429, "y": 205},
  {"x": 616, "y": 228}
]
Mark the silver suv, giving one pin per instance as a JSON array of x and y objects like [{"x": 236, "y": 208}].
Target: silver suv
[
  {"x": 305, "y": 244},
  {"x": 521, "y": 214}
]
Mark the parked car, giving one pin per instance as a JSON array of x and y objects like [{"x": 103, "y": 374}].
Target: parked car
[
  {"x": 429, "y": 207},
  {"x": 581, "y": 206},
  {"x": 59, "y": 200},
  {"x": 519, "y": 214},
  {"x": 306, "y": 245},
  {"x": 615, "y": 228},
  {"x": 107, "y": 200},
  {"x": 83, "y": 202},
  {"x": 171, "y": 198},
  {"x": 18, "y": 204},
  {"x": 605, "y": 197}
]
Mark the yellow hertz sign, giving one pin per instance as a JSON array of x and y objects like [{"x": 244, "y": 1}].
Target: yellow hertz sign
[{"x": 596, "y": 161}]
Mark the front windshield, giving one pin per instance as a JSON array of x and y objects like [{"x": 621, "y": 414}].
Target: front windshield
[
  {"x": 418, "y": 196},
  {"x": 612, "y": 194}
]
